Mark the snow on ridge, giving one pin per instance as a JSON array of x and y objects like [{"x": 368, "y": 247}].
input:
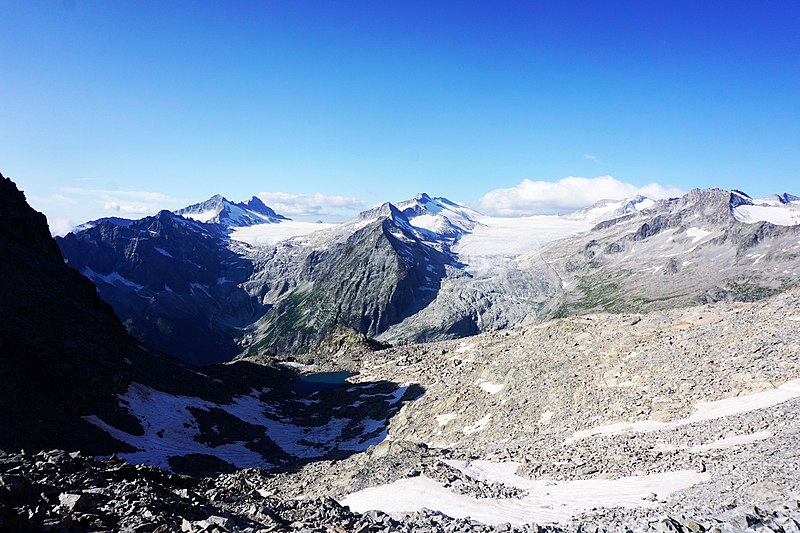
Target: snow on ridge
[
  {"x": 203, "y": 216},
  {"x": 773, "y": 212},
  {"x": 113, "y": 278}
]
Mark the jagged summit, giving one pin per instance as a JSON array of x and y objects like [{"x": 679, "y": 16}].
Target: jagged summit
[
  {"x": 784, "y": 198},
  {"x": 22, "y": 224},
  {"x": 440, "y": 215},
  {"x": 219, "y": 210},
  {"x": 255, "y": 204}
]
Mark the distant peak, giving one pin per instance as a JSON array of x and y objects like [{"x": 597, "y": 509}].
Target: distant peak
[
  {"x": 786, "y": 198},
  {"x": 423, "y": 197},
  {"x": 256, "y": 205}
]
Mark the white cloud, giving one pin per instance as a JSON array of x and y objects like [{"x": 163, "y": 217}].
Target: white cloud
[
  {"x": 310, "y": 204},
  {"x": 60, "y": 225},
  {"x": 534, "y": 197},
  {"x": 133, "y": 209},
  {"x": 145, "y": 196},
  {"x": 123, "y": 202},
  {"x": 591, "y": 157}
]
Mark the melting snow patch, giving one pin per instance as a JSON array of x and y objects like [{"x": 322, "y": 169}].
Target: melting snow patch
[
  {"x": 114, "y": 278},
  {"x": 478, "y": 426},
  {"x": 730, "y": 442},
  {"x": 703, "y": 411},
  {"x": 170, "y": 429},
  {"x": 488, "y": 386},
  {"x": 297, "y": 366},
  {"x": 696, "y": 234},
  {"x": 442, "y": 420},
  {"x": 546, "y": 417},
  {"x": 546, "y": 501}
]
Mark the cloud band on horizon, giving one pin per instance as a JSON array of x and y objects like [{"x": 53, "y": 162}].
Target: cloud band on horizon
[{"x": 538, "y": 197}]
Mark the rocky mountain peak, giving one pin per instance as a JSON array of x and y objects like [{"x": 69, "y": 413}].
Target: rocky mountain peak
[
  {"x": 785, "y": 198},
  {"x": 214, "y": 204},
  {"x": 21, "y": 223},
  {"x": 385, "y": 210},
  {"x": 256, "y": 205},
  {"x": 221, "y": 211}
]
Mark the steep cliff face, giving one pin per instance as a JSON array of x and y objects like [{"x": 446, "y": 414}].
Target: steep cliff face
[
  {"x": 62, "y": 350},
  {"x": 173, "y": 282}
]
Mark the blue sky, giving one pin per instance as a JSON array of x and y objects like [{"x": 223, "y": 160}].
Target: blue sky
[{"x": 118, "y": 107}]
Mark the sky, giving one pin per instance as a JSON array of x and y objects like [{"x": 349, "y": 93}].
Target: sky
[{"x": 324, "y": 108}]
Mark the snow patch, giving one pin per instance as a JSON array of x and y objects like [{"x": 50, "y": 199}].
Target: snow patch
[
  {"x": 780, "y": 215},
  {"x": 114, "y": 278},
  {"x": 730, "y": 442},
  {"x": 170, "y": 429},
  {"x": 478, "y": 426},
  {"x": 442, "y": 420},
  {"x": 703, "y": 411},
  {"x": 203, "y": 216},
  {"x": 546, "y": 501},
  {"x": 546, "y": 417},
  {"x": 697, "y": 234},
  {"x": 488, "y": 386}
]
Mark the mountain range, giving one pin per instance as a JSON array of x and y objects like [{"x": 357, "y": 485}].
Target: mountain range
[{"x": 220, "y": 279}]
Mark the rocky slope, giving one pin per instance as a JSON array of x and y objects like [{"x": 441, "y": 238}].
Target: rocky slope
[
  {"x": 612, "y": 421},
  {"x": 512, "y": 429},
  {"x": 691, "y": 250}
]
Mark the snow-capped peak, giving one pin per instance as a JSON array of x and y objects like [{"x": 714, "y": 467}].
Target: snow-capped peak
[
  {"x": 440, "y": 215},
  {"x": 779, "y": 209},
  {"x": 220, "y": 210},
  {"x": 608, "y": 209}
]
